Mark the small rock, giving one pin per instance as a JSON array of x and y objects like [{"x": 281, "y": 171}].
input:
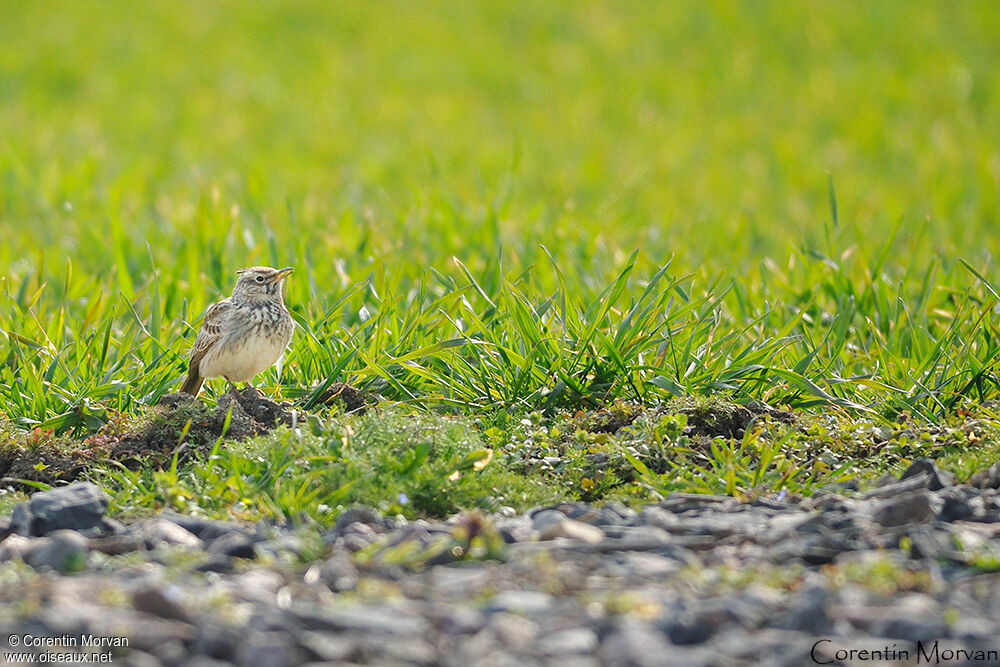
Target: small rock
[
  {"x": 258, "y": 585},
  {"x": 220, "y": 563},
  {"x": 362, "y": 529},
  {"x": 117, "y": 545},
  {"x": 62, "y": 551},
  {"x": 650, "y": 565},
  {"x": 653, "y": 515},
  {"x": 284, "y": 545},
  {"x": 911, "y": 627},
  {"x": 106, "y": 528},
  {"x": 936, "y": 479},
  {"x": 617, "y": 514},
  {"x": 142, "y": 659},
  {"x": 514, "y": 632},
  {"x": 461, "y": 582},
  {"x": 987, "y": 479},
  {"x": 786, "y": 524},
  {"x": 544, "y": 518},
  {"x": 912, "y": 617},
  {"x": 79, "y": 506},
  {"x": 913, "y": 483},
  {"x": 697, "y": 623},
  {"x": 354, "y": 537},
  {"x": 157, "y": 532},
  {"x": 329, "y": 647},
  {"x": 399, "y": 650},
  {"x": 362, "y": 618},
  {"x": 927, "y": 542},
  {"x": 20, "y": 519},
  {"x": 163, "y": 602},
  {"x": 353, "y": 543},
  {"x": 234, "y": 545},
  {"x": 204, "y": 661},
  {"x": 568, "y": 642},
  {"x": 338, "y": 573},
  {"x": 573, "y": 530},
  {"x": 885, "y": 480},
  {"x": 910, "y": 507},
  {"x": 839, "y": 488},
  {"x": 266, "y": 618},
  {"x": 521, "y": 602},
  {"x": 167, "y": 639},
  {"x": 973, "y": 627},
  {"x": 205, "y": 529},
  {"x": 217, "y": 641},
  {"x": 806, "y": 612},
  {"x": 638, "y": 644},
  {"x": 955, "y": 506},
  {"x": 357, "y": 514},
  {"x": 268, "y": 649},
  {"x": 15, "y": 547},
  {"x": 517, "y": 529},
  {"x": 721, "y": 525},
  {"x": 641, "y": 538},
  {"x": 760, "y": 646},
  {"x": 580, "y": 511},
  {"x": 462, "y": 620},
  {"x": 173, "y": 652}
]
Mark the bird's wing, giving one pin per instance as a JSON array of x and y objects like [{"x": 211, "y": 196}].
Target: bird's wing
[{"x": 211, "y": 330}]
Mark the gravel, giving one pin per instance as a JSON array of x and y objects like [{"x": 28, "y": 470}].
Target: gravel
[{"x": 692, "y": 580}]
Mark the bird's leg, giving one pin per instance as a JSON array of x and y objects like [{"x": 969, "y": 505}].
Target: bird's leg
[{"x": 232, "y": 387}]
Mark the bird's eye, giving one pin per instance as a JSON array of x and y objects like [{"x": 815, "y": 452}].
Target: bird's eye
[{"x": 259, "y": 279}]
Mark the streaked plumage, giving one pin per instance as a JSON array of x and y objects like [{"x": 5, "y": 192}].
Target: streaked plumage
[{"x": 244, "y": 334}]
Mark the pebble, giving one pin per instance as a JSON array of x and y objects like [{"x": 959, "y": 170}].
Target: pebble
[
  {"x": 157, "y": 532},
  {"x": 328, "y": 647},
  {"x": 571, "y": 641},
  {"x": 521, "y": 602},
  {"x": 15, "y": 547},
  {"x": 233, "y": 545},
  {"x": 571, "y": 529},
  {"x": 635, "y": 643},
  {"x": 357, "y": 514},
  {"x": 62, "y": 551},
  {"x": 936, "y": 479},
  {"x": 806, "y": 611},
  {"x": 160, "y": 601},
  {"x": 541, "y": 520},
  {"x": 269, "y": 649},
  {"x": 907, "y": 508}
]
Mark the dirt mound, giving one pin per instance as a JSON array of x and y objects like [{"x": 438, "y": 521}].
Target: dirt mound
[
  {"x": 179, "y": 424},
  {"x": 351, "y": 399},
  {"x": 705, "y": 417},
  {"x": 713, "y": 418},
  {"x": 609, "y": 419}
]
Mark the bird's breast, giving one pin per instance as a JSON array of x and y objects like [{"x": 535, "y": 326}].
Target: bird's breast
[{"x": 253, "y": 340}]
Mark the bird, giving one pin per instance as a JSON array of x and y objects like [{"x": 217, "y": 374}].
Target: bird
[{"x": 244, "y": 334}]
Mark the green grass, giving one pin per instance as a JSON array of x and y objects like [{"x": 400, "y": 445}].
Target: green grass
[
  {"x": 413, "y": 465},
  {"x": 507, "y": 207}
]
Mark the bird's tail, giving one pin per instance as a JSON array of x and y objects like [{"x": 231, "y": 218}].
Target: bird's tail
[{"x": 193, "y": 383}]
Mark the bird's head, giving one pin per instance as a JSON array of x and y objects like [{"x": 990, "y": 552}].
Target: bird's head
[{"x": 260, "y": 282}]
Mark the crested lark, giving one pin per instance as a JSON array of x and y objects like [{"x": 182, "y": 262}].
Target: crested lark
[{"x": 244, "y": 334}]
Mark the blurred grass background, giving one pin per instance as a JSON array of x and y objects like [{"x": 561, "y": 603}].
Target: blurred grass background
[{"x": 156, "y": 148}]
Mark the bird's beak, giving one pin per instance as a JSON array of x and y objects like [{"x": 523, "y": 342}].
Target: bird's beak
[{"x": 281, "y": 273}]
